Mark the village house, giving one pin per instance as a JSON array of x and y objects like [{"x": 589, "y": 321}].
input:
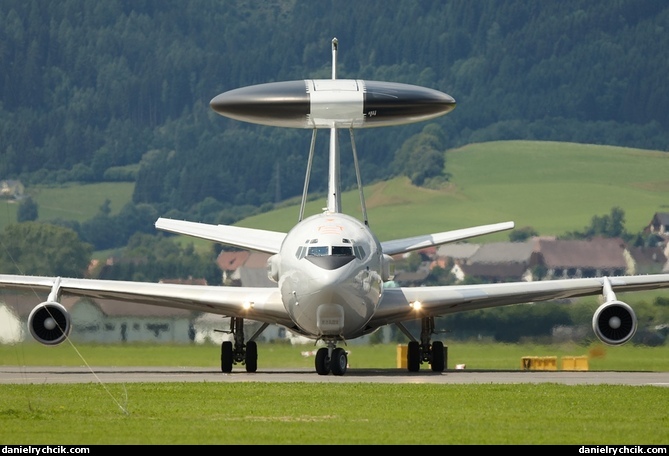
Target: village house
[
  {"x": 244, "y": 268},
  {"x": 496, "y": 262},
  {"x": 411, "y": 278},
  {"x": 659, "y": 224},
  {"x": 107, "y": 321},
  {"x": 565, "y": 259},
  {"x": 646, "y": 260},
  {"x": 111, "y": 321},
  {"x": 457, "y": 252},
  {"x": 11, "y": 189}
]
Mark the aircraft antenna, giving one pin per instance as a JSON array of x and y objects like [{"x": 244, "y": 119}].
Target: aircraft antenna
[{"x": 335, "y": 44}]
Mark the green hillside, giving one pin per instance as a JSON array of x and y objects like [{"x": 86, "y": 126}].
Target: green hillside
[
  {"x": 552, "y": 187},
  {"x": 71, "y": 201}
]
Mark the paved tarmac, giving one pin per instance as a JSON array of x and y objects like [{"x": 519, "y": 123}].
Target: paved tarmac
[{"x": 43, "y": 375}]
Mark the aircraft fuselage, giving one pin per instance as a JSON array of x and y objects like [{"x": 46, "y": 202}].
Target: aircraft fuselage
[{"x": 330, "y": 274}]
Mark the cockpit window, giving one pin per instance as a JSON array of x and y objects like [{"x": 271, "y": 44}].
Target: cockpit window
[
  {"x": 359, "y": 252},
  {"x": 335, "y": 250},
  {"x": 340, "y": 250},
  {"x": 318, "y": 251}
]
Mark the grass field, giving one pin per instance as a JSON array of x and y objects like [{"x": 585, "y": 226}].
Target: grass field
[
  {"x": 335, "y": 413},
  {"x": 282, "y": 355},
  {"x": 553, "y": 187},
  {"x": 332, "y": 413},
  {"x": 71, "y": 202}
]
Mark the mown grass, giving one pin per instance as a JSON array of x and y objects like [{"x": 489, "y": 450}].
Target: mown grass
[
  {"x": 331, "y": 413},
  {"x": 473, "y": 355}
]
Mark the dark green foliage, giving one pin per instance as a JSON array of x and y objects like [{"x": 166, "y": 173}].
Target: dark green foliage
[
  {"x": 105, "y": 231},
  {"x": 522, "y": 234},
  {"x": 93, "y": 86},
  {"x": 508, "y": 324},
  {"x": 151, "y": 258},
  {"x": 41, "y": 249},
  {"x": 440, "y": 276},
  {"x": 421, "y": 157},
  {"x": 27, "y": 211},
  {"x": 610, "y": 226}
]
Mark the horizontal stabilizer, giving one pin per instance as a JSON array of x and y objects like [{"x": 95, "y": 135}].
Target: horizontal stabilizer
[
  {"x": 246, "y": 238},
  {"x": 420, "y": 242}
]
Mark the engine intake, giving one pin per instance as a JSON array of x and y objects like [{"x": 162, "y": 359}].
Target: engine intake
[
  {"x": 614, "y": 323},
  {"x": 49, "y": 323}
]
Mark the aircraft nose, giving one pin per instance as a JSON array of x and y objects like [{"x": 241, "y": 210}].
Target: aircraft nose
[{"x": 331, "y": 262}]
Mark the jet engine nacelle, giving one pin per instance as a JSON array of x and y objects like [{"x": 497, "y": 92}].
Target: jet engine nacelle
[
  {"x": 614, "y": 322},
  {"x": 49, "y": 323}
]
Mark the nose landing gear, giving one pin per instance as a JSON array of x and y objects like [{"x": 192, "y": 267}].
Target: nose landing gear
[{"x": 331, "y": 359}]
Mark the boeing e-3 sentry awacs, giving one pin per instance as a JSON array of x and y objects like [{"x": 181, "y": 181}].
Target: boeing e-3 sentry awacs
[{"x": 330, "y": 269}]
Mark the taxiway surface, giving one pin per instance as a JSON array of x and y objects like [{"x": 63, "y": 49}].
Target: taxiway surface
[{"x": 26, "y": 375}]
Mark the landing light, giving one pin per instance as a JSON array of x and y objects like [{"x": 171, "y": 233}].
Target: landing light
[
  {"x": 247, "y": 305},
  {"x": 416, "y": 305}
]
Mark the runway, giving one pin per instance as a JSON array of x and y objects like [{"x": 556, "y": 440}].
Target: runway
[{"x": 53, "y": 375}]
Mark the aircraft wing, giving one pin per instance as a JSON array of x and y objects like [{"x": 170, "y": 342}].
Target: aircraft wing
[
  {"x": 420, "y": 242},
  {"x": 396, "y": 304},
  {"x": 259, "y": 304},
  {"x": 248, "y": 238}
]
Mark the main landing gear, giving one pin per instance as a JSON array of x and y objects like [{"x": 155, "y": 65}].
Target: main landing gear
[
  {"x": 331, "y": 359},
  {"x": 240, "y": 352},
  {"x": 424, "y": 351}
]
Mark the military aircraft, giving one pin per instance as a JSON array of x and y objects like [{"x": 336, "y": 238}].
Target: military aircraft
[{"x": 330, "y": 269}]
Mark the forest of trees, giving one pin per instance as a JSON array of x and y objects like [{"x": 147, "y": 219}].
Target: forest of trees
[{"x": 119, "y": 89}]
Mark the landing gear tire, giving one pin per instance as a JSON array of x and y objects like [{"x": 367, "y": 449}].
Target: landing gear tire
[
  {"x": 251, "y": 359},
  {"x": 339, "y": 361},
  {"x": 438, "y": 358},
  {"x": 226, "y": 357},
  {"x": 322, "y": 361},
  {"x": 413, "y": 356}
]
